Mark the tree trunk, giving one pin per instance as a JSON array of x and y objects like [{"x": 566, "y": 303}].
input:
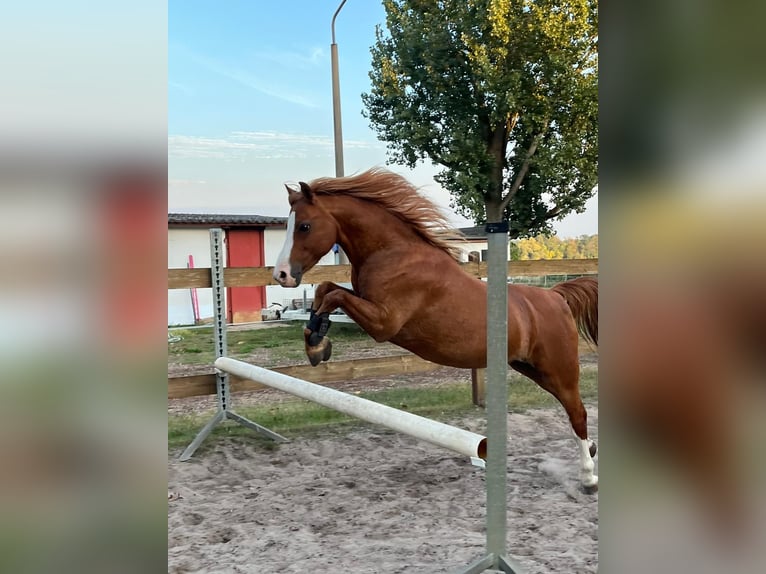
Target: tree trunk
[
  {"x": 494, "y": 209},
  {"x": 493, "y": 200}
]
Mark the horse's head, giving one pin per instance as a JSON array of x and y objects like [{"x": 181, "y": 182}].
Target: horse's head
[{"x": 311, "y": 232}]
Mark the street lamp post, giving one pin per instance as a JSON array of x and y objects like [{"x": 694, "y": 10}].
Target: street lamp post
[
  {"x": 338, "y": 130},
  {"x": 337, "y": 127}
]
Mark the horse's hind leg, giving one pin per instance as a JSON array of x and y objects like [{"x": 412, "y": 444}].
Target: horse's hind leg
[{"x": 564, "y": 385}]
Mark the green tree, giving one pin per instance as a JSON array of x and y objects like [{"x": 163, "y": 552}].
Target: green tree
[
  {"x": 571, "y": 250},
  {"x": 551, "y": 247},
  {"x": 589, "y": 246},
  {"x": 501, "y": 93}
]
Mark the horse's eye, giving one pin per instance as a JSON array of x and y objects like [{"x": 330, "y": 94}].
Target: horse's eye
[{"x": 304, "y": 227}]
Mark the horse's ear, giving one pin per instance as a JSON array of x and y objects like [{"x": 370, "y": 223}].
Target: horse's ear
[
  {"x": 292, "y": 194},
  {"x": 306, "y": 191}
]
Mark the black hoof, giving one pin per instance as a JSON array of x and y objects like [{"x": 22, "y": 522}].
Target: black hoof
[
  {"x": 315, "y": 338},
  {"x": 593, "y": 449},
  {"x": 590, "y": 489},
  {"x": 314, "y": 359},
  {"x": 320, "y": 352}
]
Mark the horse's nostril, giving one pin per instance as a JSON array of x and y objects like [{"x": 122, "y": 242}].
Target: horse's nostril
[{"x": 282, "y": 275}]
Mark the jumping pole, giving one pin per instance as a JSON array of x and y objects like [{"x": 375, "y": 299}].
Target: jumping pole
[
  {"x": 219, "y": 334},
  {"x": 461, "y": 441}
]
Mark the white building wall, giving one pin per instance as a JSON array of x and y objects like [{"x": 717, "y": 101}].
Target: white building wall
[
  {"x": 469, "y": 246},
  {"x": 477, "y": 245},
  {"x": 183, "y": 242},
  {"x": 273, "y": 240}
]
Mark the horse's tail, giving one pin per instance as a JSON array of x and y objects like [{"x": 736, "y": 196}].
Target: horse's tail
[{"x": 581, "y": 295}]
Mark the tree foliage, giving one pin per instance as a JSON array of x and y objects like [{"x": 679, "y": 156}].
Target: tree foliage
[
  {"x": 501, "y": 93},
  {"x": 551, "y": 247}
]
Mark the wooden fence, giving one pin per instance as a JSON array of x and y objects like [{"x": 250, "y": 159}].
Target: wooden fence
[
  {"x": 261, "y": 276},
  {"x": 205, "y": 384},
  {"x": 332, "y": 372}
]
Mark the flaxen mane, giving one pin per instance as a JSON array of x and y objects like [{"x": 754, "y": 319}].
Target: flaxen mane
[{"x": 395, "y": 194}]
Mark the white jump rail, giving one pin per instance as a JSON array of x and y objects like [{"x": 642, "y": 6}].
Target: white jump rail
[{"x": 461, "y": 441}]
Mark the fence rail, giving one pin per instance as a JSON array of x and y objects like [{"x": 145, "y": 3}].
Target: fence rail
[
  {"x": 185, "y": 386},
  {"x": 261, "y": 276},
  {"x": 205, "y": 384}
]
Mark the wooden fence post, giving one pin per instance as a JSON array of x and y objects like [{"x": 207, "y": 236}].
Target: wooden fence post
[{"x": 478, "y": 388}]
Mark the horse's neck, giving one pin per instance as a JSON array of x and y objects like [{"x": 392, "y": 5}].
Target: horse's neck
[{"x": 366, "y": 228}]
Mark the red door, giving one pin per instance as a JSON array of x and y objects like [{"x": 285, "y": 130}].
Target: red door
[{"x": 244, "y": 248}]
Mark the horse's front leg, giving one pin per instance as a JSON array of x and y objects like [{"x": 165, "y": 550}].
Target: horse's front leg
[
  {"x": 376, "y": 320},
  {"x": 318, "y": 345}
]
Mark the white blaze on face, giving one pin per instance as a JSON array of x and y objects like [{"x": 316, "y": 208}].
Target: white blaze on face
[{"x": 282, "y": 269}]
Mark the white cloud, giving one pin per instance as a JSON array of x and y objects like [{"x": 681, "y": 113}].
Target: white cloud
[
  {"x": 288, "y": 59},
  {"x": 250, "y": 80},
  {"x": 251, "y": 179},
  {"x": 259, "y": 145},
  {"x": 183, "y": 88}
]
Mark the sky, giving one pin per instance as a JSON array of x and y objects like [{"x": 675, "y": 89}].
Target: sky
[{"x": 250, "y": 105}]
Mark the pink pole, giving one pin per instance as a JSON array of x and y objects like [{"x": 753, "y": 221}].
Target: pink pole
[{"x": 195, "y": 301}]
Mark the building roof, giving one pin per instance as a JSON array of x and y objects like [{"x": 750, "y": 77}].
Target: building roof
[{"x": 225, "y": 220}]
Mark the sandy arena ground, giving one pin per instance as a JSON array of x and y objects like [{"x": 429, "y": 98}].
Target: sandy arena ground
[{"x": 370, "y": 501}]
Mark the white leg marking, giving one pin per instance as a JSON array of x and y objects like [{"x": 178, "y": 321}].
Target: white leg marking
[{"x": 587, "y": 466}]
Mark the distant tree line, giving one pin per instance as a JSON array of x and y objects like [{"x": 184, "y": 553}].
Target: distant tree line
[{"x": 552, "y": 247}]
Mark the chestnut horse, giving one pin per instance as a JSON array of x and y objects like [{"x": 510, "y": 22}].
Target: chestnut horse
[{"x": 409, "y": 289}]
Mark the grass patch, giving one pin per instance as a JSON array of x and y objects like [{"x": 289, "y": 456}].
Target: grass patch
[
  {"x": 524, "y": 394},
  {"x": 442, "y": 403},
  {"x": 303, "y": 417},
  {"x": 196, "y": 345}
]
